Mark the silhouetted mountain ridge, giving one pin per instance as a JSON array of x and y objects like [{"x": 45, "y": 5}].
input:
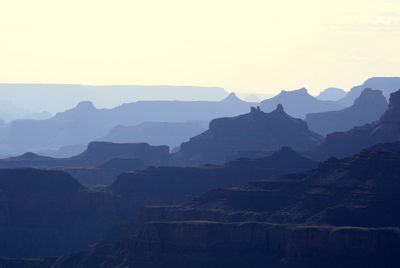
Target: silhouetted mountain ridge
[
  {"x": 298, "y": 103},
  {"x": 252, "y": 131},
  {"x": 387, "y": 85},
  {"x": 85, "y": 123}
]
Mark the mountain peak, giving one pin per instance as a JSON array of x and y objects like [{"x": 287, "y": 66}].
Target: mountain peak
[
  {"x": 332, "y": 94},
  {"x": 370, "y": 96},
  {"x": 85, "y": 105},
  {"x": 300, "y": 91},
  {"x": 232, "y": 98},
  {"x": 279, "y": 108},
  {"x": 29, "y": 155}
]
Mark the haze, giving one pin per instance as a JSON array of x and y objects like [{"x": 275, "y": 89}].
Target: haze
[{"x": 250, "y": 46}]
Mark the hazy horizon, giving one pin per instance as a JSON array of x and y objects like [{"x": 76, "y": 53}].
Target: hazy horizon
[{"x": 246, "y": 46}]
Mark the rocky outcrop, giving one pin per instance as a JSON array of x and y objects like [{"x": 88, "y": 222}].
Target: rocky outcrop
[
  {"x": 367, "y": 108},
  {"x": 252, "y": 131},
  {"x": 386, "y": 129},
  {"x": 100, "y": 163},
  {"x": 97, "y": 153},
  {"x": 157, "y": 133},
  {"x": 298, "y": 103},
  {"x": 101, "y": 152}
]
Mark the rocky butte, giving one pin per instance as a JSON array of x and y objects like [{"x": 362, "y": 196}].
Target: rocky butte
[{"x": 256, "y": 130}]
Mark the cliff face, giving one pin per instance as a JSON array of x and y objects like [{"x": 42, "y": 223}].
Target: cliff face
[
  {"x": 386, "y": 129},
  {"x": 367, "y": 108},
  {"x": 202, "y": 244},
  {"x": 209, "y": 244},
  {"x": 253, "y": 131},
  {"x": 48, "y": 213}
]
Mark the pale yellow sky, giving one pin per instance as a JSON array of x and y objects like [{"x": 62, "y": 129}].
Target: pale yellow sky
[{"x": 245, "y": 45}]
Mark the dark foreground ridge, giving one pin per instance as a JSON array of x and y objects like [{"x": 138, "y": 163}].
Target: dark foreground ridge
[
  {"x": 48, "y": 213},
  {"x": 342, "y": 214},
  {"x": 173, "y": 185}
]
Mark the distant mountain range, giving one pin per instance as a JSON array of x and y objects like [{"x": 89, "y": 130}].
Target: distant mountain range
[
  {"x": 9, "y": 112},
  {"x": 367, "y": 108},
  {"x": 386, "y": 84},
  {"x": 298, "y": 103},
  {"x": 297, "y": 200},
  {"x": 59, "y": 97},
  {"x": 86, "y": 123}
]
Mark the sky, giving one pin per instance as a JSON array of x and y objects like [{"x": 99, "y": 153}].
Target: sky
[{"x": 243, "y": 45}]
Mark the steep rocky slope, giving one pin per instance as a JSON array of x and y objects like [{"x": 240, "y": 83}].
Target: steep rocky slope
[{"x": 386, "y": 129}]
